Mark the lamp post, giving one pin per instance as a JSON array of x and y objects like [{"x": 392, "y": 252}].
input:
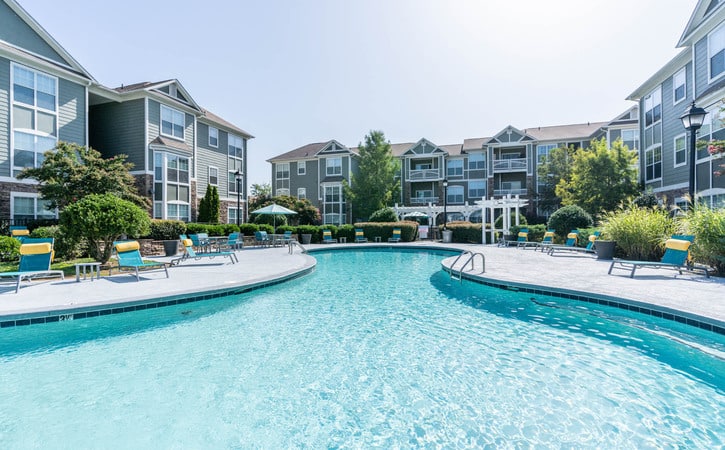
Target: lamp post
[
  {"x": 238, "y": 177},
  {"x": 692, "y": 120},
  {"x": 445, "y": 203}
]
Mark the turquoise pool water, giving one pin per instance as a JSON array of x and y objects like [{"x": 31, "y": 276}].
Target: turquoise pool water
[{"x": 375, "y": 349}]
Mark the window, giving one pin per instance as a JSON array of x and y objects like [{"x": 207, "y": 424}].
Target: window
[
  {"x": 678, "y": 86},
  {"x": 34, "y": 117},
  {"x": 301, "y": 167},
  {"x": 630, "y": 138},
  {"x": 680, "y": 150},
  {"x": 542, "y": 152},
  {"x": 455, "y": 168},
  {"x": 476, "y": 189},
  {"x": 716, "y": 52},
  {"x": 653, "y": 107},
  {"x": 172, "y": 188},
  {"x": 301, "y": 193},
  {"x": 173, "y": 122},
  {"x": 334, "y": 166},
  {"x": 332, "y": 207},
  {"x": 455, "y": 194},
  {"x": 213, "y": 176},
  {"x": 29, "y": 207},
  {"x": 236, "y": 147},
  {"x": 476, "y": 161},
  {"x": 232, "y": 214},
  {"x": 213, "y": 137},
  {"x": 653, "y": 164},
  {"x": 232, "y": 182},
  {"x": 282, "y": 186}
]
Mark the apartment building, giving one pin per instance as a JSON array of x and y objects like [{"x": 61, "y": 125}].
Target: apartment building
[{"x": 696, "y": 74}]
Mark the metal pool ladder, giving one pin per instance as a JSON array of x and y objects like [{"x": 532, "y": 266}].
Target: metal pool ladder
[
  {"x": 293, "y": 243},
  {"x": 471, "y": 259}
]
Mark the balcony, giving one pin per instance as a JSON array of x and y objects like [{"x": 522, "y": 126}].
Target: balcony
[
  {"x": 499, "y": 192},
  {"x": 424, "y": 175},
  {"x": 423, "y": 200},
  {"x": 509, "y": 165}
]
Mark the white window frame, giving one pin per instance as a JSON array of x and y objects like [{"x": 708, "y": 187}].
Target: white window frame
[
  {"x": 301, "y": 167},
  {"x": 544, "y": 149},
  {"x": 215, "y": 169},
  {"x": 174, "y": 115},
  {"x": 36, "y": 197},
  {"x": 233, "y": 209},
  {"x": 233, "y": 140},
  {"x": 635, "y": 131},
  {"x": 330, "y": 216},
  {"x": 161, "y": 207},
  {"x": 682, "y": 136},
  {"x": 719, "y": 29},
  {"x": 332, "y": 165},
  {"x": 35, "y": 109},
  {"x": 647, "y": 152},
  {"x": 683, "y": 74},
  {"x": 232, "y": 182},
  {"x": 282, "y": 179},
  {"x": 301, "y": 193},
  {"x": 453, "y": 193},
  {"x": 470, "y": 195},
  {"x": 214, "y": 133},
  {"x": 474, "y": 165},
  {"x": 457, "y": 169}
]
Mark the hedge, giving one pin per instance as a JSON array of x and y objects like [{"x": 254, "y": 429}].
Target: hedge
[{"x": 384, "y": 230}]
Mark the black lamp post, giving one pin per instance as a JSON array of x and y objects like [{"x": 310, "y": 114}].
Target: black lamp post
[
  {"x": 238, "y": 177},
  {"x": 445, "y": 203},
  {"x": 692, "y": 120}
]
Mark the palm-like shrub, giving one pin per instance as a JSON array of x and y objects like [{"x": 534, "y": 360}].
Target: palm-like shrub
[{"x": 640, "y": 233}]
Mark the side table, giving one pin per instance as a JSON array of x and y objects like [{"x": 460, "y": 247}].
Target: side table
[{"x": 94, "y": 268}]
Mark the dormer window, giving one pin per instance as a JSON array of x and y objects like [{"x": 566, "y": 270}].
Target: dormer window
[{"x": 172, "y": 122}]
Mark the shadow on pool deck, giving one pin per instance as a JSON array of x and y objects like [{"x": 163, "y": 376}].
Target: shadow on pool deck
[{"x": 688, "y": 293}]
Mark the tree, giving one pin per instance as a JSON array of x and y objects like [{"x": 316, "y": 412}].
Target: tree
[
  {"x": 601, "y": 178},
  {"x": 307, "y": 213},
  {"x": 551, "y": 172},
  {"x": 102, "y": 219},
  {"x": 374, "y": 186},
  {"x": 209, "y": 206},
  {"x": 203, "y": 215},
  {"x": 261, "y": 190},
  {"x": 71, "y": 172}
]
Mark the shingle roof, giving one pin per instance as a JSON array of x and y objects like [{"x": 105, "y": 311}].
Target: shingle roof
[
  {"x": 576, "y": 131},
  {"x": 211, "y": 117},
  {"x": 173, "y": 143},
  {"x": 138, "y": 86},
  {"x": 474, "y": 143},
  {"x": 306, "y": 151},
  {"x": 452, "y": 149}
]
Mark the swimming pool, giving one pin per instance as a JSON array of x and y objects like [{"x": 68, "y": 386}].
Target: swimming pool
[{"x": 376, "y": 348}]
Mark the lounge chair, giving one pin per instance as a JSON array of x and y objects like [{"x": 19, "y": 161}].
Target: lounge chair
[
  {"x": 360, "y": 235},
  {"x": 522, "y": 240},
  {"x": 676, "y": 257},
  {"x": 19, "y": 232},
  {"x": 590, "y": 248},
  {"x": 571, "y": 239},
  {"x": 262, "y": 238},
  {"x": 396, "y": 235},
  {"x": 189, "y": 253},
  {"x": 547, "y": 241},
  {"x": 129, "y": 257},
  {"x": 35, "y": 261},
  {"x": 327, "y": 237}
]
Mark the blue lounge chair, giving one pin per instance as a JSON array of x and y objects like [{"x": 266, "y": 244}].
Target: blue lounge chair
[
  {"x": 234, "y": 242},
  {"x": 360, "y": 235},
  {"x": 522, "y": 240},
  {"x": 590, "y": 248},
  {"x": 262, "y": 238},
  {"x": 327, "y": 237},
  {"x": 35, "y": 261},
  {"x": 396, "y": 235},
  {"x": 189, "y": 253},
  {"x": 571, "y": 239},
  {"x": 677, "y": 253},
  {"x": 19, "y": 232},
  {"x": 547, "y": 241},
  {"x": 129, "y": 257},
  {"x": 200, "y": 240}
]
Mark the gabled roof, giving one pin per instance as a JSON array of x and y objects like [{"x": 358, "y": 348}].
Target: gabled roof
[
  {"x": 70, "y": 63},
  {"x": 705, "y": 12},
  {"x": 398, "y": 149},
  {"x": 171, "y": 143},
  {"x": 333, "y": 146},
  {"x": 474, "y": 143},
  {"x": 565, "y": 132},
  {"x": 162, "y": 88},
  {"x": 521, "y": 136},
  {"x": 669, "y": 69},
  {"x": 209, "y": 116},
  {"x": 305, "y": 152}
]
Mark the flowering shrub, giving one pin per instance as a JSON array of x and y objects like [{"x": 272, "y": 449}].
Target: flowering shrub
[{"x": 717, "y": 148}]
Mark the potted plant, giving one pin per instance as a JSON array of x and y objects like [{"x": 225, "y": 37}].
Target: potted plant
[
  {"x": 605, "y": 246},
  {"x": 168, "y": 232}
]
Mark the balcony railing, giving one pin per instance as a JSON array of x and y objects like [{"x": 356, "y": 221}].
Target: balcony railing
[
  {"x": 510, "y": 191},
  {"x": 423, "y": 200},
  {"x": 509, "y": 165},
  {"x": 424, "y": 175}
]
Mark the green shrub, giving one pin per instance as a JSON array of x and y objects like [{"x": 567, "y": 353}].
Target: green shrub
[
  {"x": 708, "y": 226},
  {"x": 229, "y": 228},
  {"x": 65, "y": 247},
  {"x": 640, "y": 233},
  {"x": 166, "y": 230},
  {"x": 346, "y": 231},
  {"x": 498, "y": 223},
  {"x": 569, "y": 218},
  {"x": 309, "y": 229},
  {"x": 466, "y": 232},
  {"x": 102, "y": 219},
  {"x": 248, "y": 229},
  {"x": 536, "y": 232},
  {"x": 384, "y": 215},
  {"x": 384, "y": 230},
  {"x": 9, "y": 249}
]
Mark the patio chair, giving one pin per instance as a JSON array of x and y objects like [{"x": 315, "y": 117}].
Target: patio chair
[
  {"x": 234, "y": 242},
  {"x": 677, "y": 254},
  {"x": 286, "y": 237},
  {"x": 129, "y": 257},
  {"x": 571, "y": 240},
  {"x": 200, "y": 240},
  {"x": 573, "y": 248},
  {"x": 261, "y": 238},
  {"x": 327, "y": 237},
  {"x": 396, "y": 235},
  {"x": 547, "y": 241},
  {"x": 522, "y": 240},
  {"x": 189, "y": 253},
  {"x": 19, "y": 232},
  {"x": 360, "y": 235},
  {"x": 35, "y": 261}
]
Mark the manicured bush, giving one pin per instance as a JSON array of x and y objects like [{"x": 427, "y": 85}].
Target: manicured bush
[
  {"x": 229, "y": 228},
  {"x": 569, "y": 218},
  {"x": 384, "y": 215},
  {"x": 65, "y": 247},
  {"x": 163, "y": 230},
  {"x": 384, "y": 230},
  {"x": 102, "y": 219},
  {"x": 640, "y": 233},
  {"x": 708, "y": 226},
  {"x": 466, "y": 232},
  {"x": 309, "y": 229},
  {"x": 9, "y": 249},
  {"x": 346, "y": 231},
  {"x": 248, "y": 229}
]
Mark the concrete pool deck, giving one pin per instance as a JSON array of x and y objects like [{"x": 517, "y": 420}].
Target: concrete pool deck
[{"x": 689, "y": 294}]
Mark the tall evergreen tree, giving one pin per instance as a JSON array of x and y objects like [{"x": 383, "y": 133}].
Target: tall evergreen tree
[
  {"x": 374, "y": 186},
  {"x": 213, "y": 204},
  {"x": 551, "y": 172}
]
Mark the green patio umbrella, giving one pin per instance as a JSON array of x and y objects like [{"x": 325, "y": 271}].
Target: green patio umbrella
[{"x": 274, "y": 209}]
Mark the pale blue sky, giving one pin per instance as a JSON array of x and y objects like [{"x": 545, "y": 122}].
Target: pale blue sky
[{"x": 292, "y": 73}]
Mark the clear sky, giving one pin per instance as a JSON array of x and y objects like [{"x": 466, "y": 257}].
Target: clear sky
[{"x": 297, "y": 72}]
